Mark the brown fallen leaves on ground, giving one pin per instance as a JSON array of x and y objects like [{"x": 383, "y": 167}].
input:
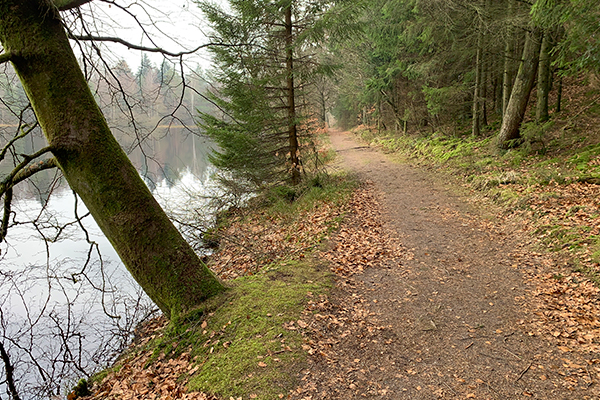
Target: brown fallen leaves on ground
[
  {"x": 253, "y": 242},
  {"x": 139, "y": 377},
  {"x": 362, "y": 241},
  {"x": 565, "y": 219},
  {"x": 261, "y": 239}
]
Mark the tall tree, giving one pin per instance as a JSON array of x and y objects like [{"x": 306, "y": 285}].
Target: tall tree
[
  {"x": 96, "y": 168},
  {"x": 291, "y": 94},
  {"x": 479, "y": 81},
  {"x": 508, "y": 64},
  {"x": 544, "y": 78},
  {"x": 519, "y": 97},
  {"x": 261, "y": 71}
]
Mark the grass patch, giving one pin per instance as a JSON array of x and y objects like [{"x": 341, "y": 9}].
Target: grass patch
[
  {"x": 590, "y": 272},
  {"x": 248, "y": 340},
  {"x": 288, "y": 202},
  {"x": 243, "y": 347},
  {"x": 551, "y": 179}
]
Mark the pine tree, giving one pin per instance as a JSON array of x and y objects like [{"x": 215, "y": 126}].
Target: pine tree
[{"x": 261, "y": 72}]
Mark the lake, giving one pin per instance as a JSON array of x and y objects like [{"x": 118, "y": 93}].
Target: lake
[{"x": 67, "y": 304}]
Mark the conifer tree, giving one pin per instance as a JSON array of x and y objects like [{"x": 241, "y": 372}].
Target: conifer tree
[{"x": 261, "y": 69}]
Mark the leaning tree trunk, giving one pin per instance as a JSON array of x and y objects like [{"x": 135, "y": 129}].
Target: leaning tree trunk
[
  {"x": 94, "y": 164},
  {"x": 515, "y": 111}
]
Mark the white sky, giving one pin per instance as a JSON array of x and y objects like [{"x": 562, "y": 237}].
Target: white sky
[{"x": 175, "y": 25}]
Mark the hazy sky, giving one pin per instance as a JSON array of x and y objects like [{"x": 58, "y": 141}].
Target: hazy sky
[{"x": 175, "y": 25}]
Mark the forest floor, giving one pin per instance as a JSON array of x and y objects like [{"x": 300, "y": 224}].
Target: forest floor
[
  {"x": 469, "y": 309},
  {"x": 435, "y": 293}
]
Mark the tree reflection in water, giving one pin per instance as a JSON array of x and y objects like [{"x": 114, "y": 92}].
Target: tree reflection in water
[{"x": 67, "y": 304}]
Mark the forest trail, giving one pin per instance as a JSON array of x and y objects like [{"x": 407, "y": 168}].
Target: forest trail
[{"x": 450, "y": 321}]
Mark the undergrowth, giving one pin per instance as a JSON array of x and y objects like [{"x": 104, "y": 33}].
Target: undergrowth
[
  {"x": 247, "y": 340},
  {"x": 550, "y": 179}
]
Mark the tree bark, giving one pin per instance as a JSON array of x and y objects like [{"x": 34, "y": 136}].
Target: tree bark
[
  {"x": 515, "y": 111},
  {"x": 484, "y": 88},
  {"x": 68, "y": 4},
  {"x": 559, "y": 95},
  {"x": 507, "y": 75},
  {"x": 476, "y": 123},
  {"x": 8, "y": 370},
  {"x": 94, "y": 164},
  {"x": 543, "y": 82},
  {"x": 291, "y": 105}
]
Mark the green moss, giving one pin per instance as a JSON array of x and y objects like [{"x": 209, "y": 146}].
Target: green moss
[
  {"x": 240, "y": 341},
  {"x": 321, "y": 188},
  {"x": 247, "y": 340},
  {"x": 251, "y": 352},
  {"x": 81, "y": 389},
  {"x": 98, "y": 377},
  {"x": 591, "y": 273}
]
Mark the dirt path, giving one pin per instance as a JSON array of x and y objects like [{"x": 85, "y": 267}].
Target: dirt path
[{"x": 446, "y": 323}]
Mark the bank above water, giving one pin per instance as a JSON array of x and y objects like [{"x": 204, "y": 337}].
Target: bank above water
[{"x": 247, "y": 342}]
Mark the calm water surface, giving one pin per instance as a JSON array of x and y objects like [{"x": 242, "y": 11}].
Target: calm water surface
[{"x": 67, "y": 304}]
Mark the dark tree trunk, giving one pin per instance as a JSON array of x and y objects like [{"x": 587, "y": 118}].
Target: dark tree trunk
[
  {"x": 507, "y": 75},
  {"x": 498, "y": 94},
  {"x": 8, "y": 371},
  {"x": 323, "y": 109},
  {"x": 484, "y": 87},
  {"x": 559, "y": 94},
  {"x": 477, "y": 92},
  {"x": 544, "y": 82},
  {"x": 515, "y": 111},
  {"x": 291, "y": 105},
  {"x": 94, "y": 164}
]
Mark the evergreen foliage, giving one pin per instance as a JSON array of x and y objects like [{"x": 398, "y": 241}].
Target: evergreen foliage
[
  {"x": 451, "y": 65},
  {"x": 266, "y": 71}
]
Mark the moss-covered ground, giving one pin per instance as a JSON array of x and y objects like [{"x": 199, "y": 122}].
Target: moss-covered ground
[
  {"x": 245, "y": 345},
  {"x": 246, "y": 342},
  {"x": 551, "y": 179}
]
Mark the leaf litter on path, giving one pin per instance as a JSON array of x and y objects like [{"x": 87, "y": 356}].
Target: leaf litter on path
[
  {"x": 473, "y": 313},
  {"x": 353, "y": 346}
]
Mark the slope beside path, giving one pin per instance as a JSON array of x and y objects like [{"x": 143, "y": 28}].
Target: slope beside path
[{"x": 447, "y": 320}]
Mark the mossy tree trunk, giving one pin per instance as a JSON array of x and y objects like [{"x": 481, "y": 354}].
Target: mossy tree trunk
[
  {"x": 544, "y": 81},
  {"x": 94, "y": 164},
  {"x": 519, "y": 97},
  {"x": 507, "y": 73}
]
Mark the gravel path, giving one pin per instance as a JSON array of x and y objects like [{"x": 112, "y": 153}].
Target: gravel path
[{"x": 446, "y": 322}]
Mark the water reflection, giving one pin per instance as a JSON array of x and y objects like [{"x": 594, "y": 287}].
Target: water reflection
[{"x": 66, "y": 300}]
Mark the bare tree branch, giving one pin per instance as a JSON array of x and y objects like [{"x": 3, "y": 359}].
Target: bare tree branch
[
  {"x": 130, "y": 45},
  {"x": 34, "y": 169},
  {"x": 22, "y": 171},
  {"x": 16, "y": 138},
  {"x": 12, "y": 389}
]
